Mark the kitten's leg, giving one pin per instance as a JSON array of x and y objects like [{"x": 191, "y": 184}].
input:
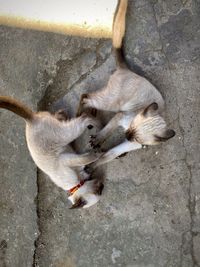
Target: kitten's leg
[
  {"x": 106, "y": 131},
  {"x": 81, "y": 108},
  {"x": 75, "y": 160},
  {"x": 103, "y": 99},
  {"x": 74, "y": 128},
  {"x": 115, "y": 152}
]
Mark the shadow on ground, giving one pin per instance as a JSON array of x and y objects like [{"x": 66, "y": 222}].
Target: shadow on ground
[{"x": 150, "y": 210}]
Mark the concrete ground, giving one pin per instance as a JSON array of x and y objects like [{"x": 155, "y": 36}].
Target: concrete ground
[{"x": 149, "y": 214}]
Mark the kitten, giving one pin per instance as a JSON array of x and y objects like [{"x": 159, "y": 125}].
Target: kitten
[
  {"x": 48, "y": 137},
  {"x": 137, "y": 103}
]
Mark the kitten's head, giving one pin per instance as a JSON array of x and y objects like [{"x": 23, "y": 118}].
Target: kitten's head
[
  {"x": 87, "y": 195},
  {"x": 149, "y": 128}
]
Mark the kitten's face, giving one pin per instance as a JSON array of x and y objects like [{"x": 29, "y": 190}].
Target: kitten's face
[
  {"x": 149, "y": 128},
  {"x": 87, "y": 195}
]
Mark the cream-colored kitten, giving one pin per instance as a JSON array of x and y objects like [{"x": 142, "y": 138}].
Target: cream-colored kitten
[
  {"x": 137, "y": 103},
  {"x": 48, "y": 137}
]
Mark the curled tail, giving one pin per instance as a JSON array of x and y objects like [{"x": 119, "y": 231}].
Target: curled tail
[
  {"x": 119, "y": 25},
  {"x": 17, "y": 107}
]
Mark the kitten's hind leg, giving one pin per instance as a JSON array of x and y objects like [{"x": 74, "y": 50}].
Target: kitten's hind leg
[
  {"x": 100, "y": 100},
  {"x": 76, "y": 160},
  {"x": 86, "y": 110},
  {"x": 113, "y": 153}
]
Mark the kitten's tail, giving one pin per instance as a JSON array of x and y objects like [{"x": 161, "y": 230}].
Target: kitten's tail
[
  {"x": 119, "y": 25},
  {"x": 17, "y": 107}
]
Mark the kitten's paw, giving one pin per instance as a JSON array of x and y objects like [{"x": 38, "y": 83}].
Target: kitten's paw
[
  {"x": 95, "y": 143},
  {"x": 85, "y": 100},
  {"x": 82, "y": 105}
]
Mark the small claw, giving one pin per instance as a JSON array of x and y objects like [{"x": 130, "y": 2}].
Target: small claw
[
  {"x": 91, "y": 143},
  {"x": 96, "y": 146},
  {"x": 92, "y": 146}
]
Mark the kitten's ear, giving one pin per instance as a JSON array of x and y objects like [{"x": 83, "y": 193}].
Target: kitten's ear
[
  {"x": 80, "y": 202},
  {"x": 150, "y": 110}
]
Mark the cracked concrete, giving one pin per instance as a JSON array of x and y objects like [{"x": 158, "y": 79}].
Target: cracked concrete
[{"x": 150, "y": 210}]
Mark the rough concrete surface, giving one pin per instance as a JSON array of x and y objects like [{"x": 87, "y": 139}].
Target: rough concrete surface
[{"x": 149, "y": 214}]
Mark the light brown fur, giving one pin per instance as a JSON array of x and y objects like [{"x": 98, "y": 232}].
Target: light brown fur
[
  {"x": 136, "y": 101},
  {"x": 48, "y": 140},
  {"x": 119, "y": 23}
]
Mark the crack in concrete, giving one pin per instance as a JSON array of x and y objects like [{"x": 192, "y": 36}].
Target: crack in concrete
[
  {"x": 49, "y": 93},
  {"x": 137, "y": 185},
  {"x": 191, "y": 199},
  {"x": 172, "y": 162},
  {"x": 140, "y": 184},
  {"x": 191, "y": 204},
  {"x": 48, "y": 97},
  {"x": 99, "y": 62},
  {"x": 182, "y": 247},
  {"x": 34, "y": 264},
  {"x": 160, "y": 37}
]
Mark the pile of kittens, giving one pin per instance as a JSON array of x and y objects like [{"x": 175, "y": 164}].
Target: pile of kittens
[{"x": 137, "y": 105}]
